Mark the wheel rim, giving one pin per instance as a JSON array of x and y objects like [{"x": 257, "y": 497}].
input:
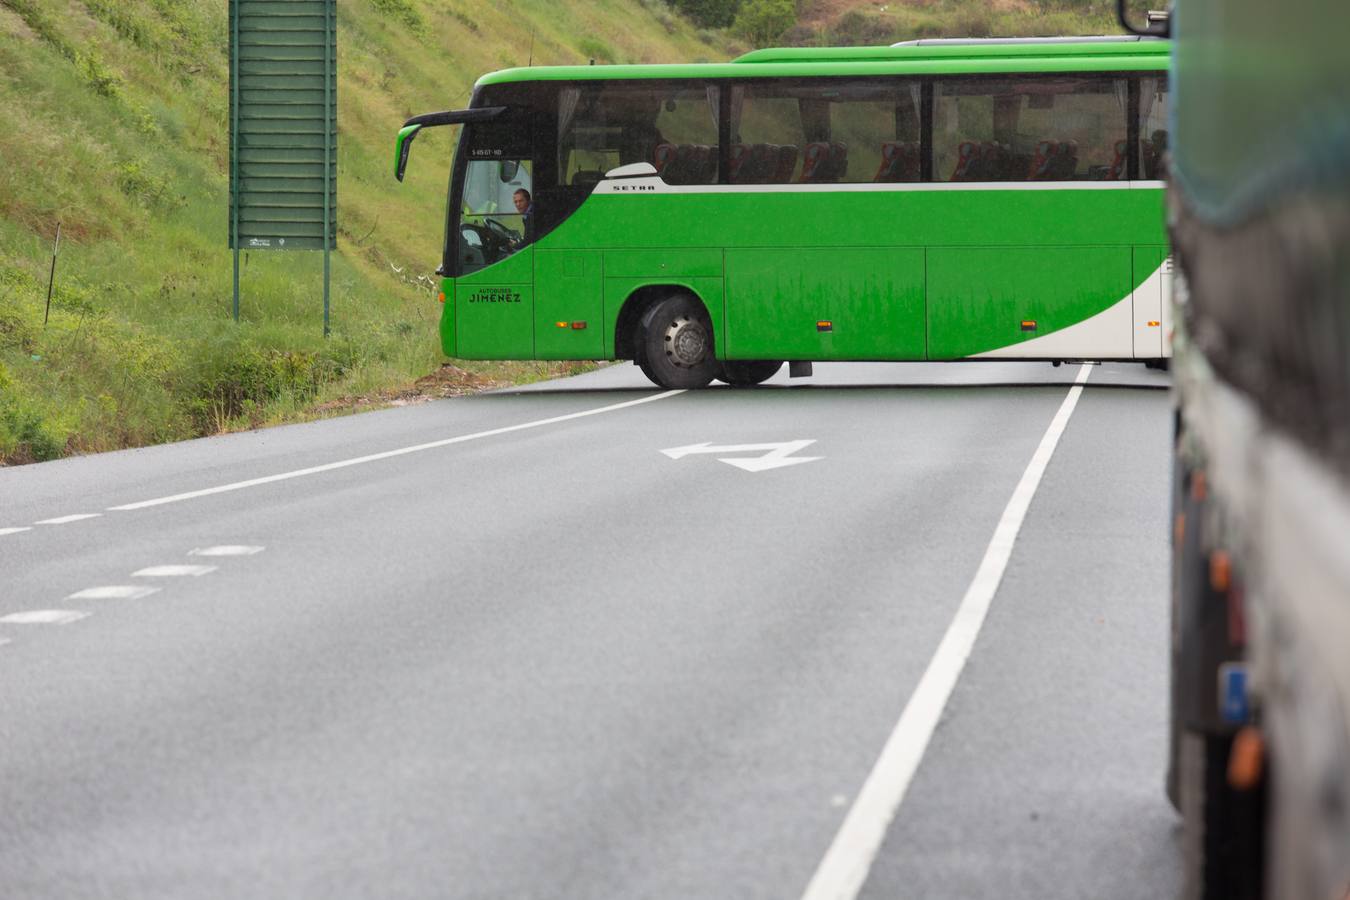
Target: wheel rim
[{"x": 686, "y": 342}]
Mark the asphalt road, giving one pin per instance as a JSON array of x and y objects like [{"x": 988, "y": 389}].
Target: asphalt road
[{"x": 504, "y": 646}]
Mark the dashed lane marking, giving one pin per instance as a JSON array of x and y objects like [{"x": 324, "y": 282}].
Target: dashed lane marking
[
  {"x": 843, "y": 871},
  {"x": 114, "y": 592},
  {"x": 389, "y": 454},
  {"x": 5, "y": 531},
  {"x": 226, "y": 550},
  {"x": 173, "y": 571},
  {"x": 44, "y": 617},
  {"x": 62, "y": 520}
]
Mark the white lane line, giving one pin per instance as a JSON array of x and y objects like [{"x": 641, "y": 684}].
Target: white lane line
[
  {"x": 4, "y": 641},
  {"x": 844, "y": 869},
  {"x": 226, "y": 550},
  {"x": 114, "y": 592},
  {"x": 389, "y": 454},
  {"x": 66, "y": 519},
  {"x": 173, "y": 571},
  {"x": 44, "y": 617},
  {"x": 5, "y": 531}
]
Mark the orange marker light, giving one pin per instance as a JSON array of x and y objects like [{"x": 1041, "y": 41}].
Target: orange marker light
[
  {"x": 561, "y": 324},
  {"x": 1028, "y": 324},
  {"x": 578, "y": 326},
  {"x": 1246, "y": 761},
  {"x": 441, "y": 296},
  {"x": 1154, "y": 324},
  {"x": 824, "y": 326},
  {"x": 1220, "y": 571}
]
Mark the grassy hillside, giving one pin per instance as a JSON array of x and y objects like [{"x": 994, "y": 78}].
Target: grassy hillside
[{"x": 113, "y": 122}]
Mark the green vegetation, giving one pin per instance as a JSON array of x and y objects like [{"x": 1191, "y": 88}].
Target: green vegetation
[{"x": 113, "y": 122}]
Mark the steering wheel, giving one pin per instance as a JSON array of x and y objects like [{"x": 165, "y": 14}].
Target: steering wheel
[{"x": 502, "y": 232}]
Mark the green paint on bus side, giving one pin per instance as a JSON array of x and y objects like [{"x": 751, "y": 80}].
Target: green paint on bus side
[
  {"x": 917, "y": 274},
  {"x": 449, "y": 346},
  {"x": 939, "y": 271},
  {"x": 569, "y": 304},
  {"x": 979, "y": 297},
  {"x": 825, "y": 303},
  {"x": 494, "y": 310}
]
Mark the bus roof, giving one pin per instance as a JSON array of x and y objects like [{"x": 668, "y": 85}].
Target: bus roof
[
  {"x": 969, "y": 48},
  {"x": 959, "y": 57}
]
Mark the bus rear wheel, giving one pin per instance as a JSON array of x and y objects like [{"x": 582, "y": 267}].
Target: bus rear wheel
[
  {"x": 748, "y": 372},
  {"x": 675, "y": 340}
]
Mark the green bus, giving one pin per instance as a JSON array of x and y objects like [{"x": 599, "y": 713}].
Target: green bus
[{"x": 936, "y": 200}]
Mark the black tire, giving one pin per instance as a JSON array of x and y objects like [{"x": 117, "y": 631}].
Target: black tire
[
  {"x": 675, "y": 344},
  {"x": 748, "y": 372}
]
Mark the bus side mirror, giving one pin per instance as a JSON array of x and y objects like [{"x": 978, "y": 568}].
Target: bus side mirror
[
  {"x": 403, "y": 147},
  {"x": 1156, "y": 24}
]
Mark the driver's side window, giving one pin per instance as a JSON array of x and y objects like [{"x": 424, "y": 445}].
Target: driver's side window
[{"x": 497, "y": 217}]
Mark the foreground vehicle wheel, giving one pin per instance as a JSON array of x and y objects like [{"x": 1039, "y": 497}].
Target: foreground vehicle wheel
[
  {"x": 675, "y": 340},
  {"x": 748, "y": 373}
]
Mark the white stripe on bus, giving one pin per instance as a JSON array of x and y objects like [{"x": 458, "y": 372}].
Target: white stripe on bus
[{"x": 647, "y": 186}]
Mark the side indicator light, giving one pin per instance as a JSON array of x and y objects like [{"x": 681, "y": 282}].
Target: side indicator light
[
  {"x": 824, "y": 326},
  {"x": 1246, "y": 762},
  {"x": 561, "y": 324},
  {"x": 1220, "y": 571},
  {"x": 578, "y": 326},
  {"x": 441, "y": 296},
  {"x": 1154, "y": 324},
  {"x": 1028, "y": 324}
]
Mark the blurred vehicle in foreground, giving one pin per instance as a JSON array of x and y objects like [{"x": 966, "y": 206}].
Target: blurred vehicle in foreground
[{"x": 1259, "y": 217}]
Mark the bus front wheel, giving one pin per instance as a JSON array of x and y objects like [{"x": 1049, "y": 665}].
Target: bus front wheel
[
  {"x": 749, "y": 372},
  {"x": 675, "y": 339}
]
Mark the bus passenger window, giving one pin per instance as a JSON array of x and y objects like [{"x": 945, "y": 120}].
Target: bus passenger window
[
  {"x": 826, "y": 131},
  {"x": 1030, "y": 129},
  {"x": 673, "y": 127},
  {"x": 1152, "y": 126}
]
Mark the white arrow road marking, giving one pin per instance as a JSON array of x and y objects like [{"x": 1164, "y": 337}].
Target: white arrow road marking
[
  {"x": 226, "y": 550},
  {"x": 172, "y": 571},
  {"x": 114, "y": 592},
  {"x": 44, "y": 617},
  {"x": 5, "y": 531},
  {"x": 778, "y": 455},
  {"x": 65, "y": 519}
]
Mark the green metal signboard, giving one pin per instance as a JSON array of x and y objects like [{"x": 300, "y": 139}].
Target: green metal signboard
[{"x": 283, "y": 129}]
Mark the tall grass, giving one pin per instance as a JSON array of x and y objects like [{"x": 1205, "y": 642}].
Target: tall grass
[{"x": 113, "y": 122}]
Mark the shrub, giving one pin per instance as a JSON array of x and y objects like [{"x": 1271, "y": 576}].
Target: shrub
[
  {"x": 25, "y": 435},
  {"x": 403, "y": 11},
  {"x": 856, "y": 28},
  {"x": 762, "y": 22},
  {"x": 710, "y": 13}
]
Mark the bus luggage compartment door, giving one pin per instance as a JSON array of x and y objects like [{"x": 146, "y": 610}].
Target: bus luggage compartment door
[
  {"x": 568, "y": 304},
  {"x": 494, "y": 309},
  {"x": 825, "y": 303}
]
